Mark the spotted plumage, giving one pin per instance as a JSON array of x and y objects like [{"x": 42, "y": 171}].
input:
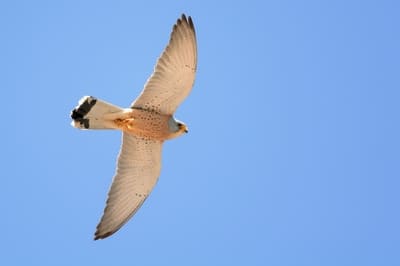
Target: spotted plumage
[{"x": 146, "y": 124}]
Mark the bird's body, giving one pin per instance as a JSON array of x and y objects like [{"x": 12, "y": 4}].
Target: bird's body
[
  {"x": 136, "y": 121},
  {"x": 149, "y": 124},
  {"x": 146, "y": 124}
]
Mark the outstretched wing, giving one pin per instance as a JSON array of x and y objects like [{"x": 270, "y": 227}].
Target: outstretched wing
[
  {"x": 174, "y": 73},
  {"x": 138, "y": 168}
]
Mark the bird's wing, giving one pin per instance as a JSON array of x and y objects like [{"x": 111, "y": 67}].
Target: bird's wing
[
  {"x": 138, "y": 168},
  {"x": 174, "y": 73}
]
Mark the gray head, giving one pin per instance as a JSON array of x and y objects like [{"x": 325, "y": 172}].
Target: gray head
[{"x": 177, "y": 126}]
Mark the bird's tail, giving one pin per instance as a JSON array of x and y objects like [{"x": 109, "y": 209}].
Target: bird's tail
[{"x": 91, "y": 113}]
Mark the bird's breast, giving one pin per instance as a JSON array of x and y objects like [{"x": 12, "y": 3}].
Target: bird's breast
[{"x": 145, "y": 124}]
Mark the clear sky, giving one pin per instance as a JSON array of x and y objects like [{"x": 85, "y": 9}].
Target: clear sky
[{"x": 293, "y": 153}]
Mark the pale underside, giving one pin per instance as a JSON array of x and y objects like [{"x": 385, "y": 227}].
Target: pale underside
[
  {"x": 138, "y": 168},
  {"x": 139, "y": 161},
  {"x": 174, "y": 74}
]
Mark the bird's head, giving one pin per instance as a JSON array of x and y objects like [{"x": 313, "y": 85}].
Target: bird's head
[{"x": 177, "y": 127}]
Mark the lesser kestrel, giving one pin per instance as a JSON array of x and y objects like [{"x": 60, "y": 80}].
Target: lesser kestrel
[{"x": 145, "y": 125}]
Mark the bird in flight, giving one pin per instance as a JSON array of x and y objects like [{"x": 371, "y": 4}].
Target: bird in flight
[{"x": 145, "y": 125}]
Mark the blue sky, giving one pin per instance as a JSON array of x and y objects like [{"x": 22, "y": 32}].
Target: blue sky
[{"x": 293, "y": 154}]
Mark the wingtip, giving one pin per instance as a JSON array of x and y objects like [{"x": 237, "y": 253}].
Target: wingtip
[
  {"x": 98, "y": 235},
  {"x": 187, "y": 20}
]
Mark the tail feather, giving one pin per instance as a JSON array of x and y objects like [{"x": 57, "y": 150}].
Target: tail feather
[{"x": 90, "y": 114}]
